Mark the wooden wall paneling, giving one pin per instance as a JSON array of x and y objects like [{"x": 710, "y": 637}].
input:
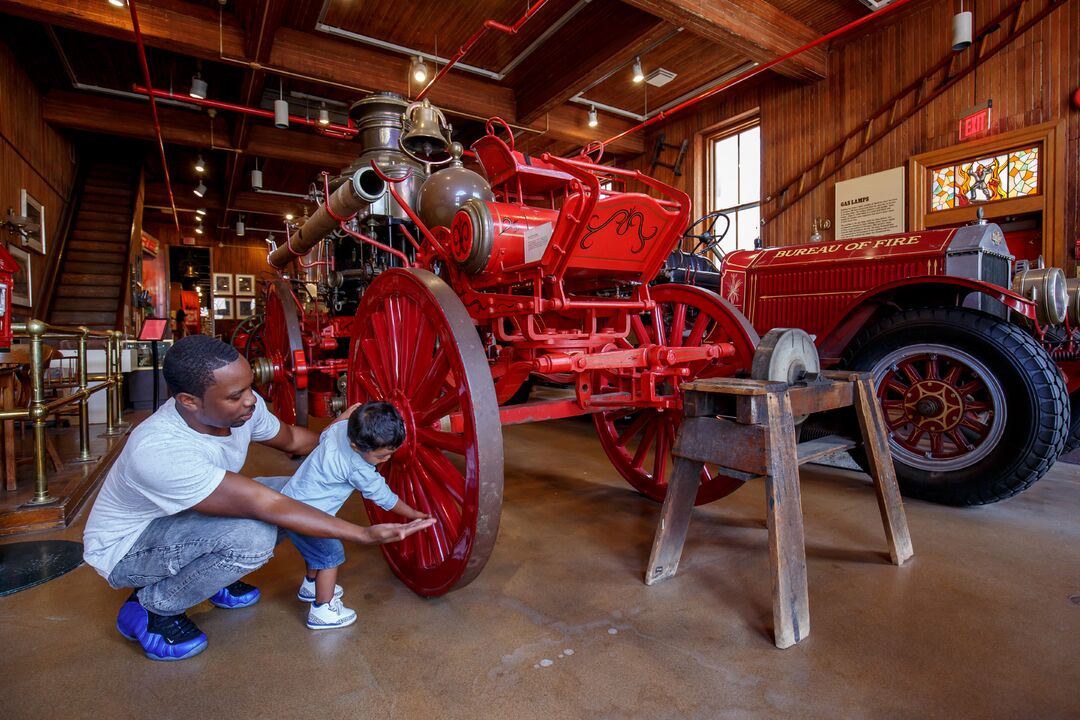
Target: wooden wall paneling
[{"x": 32, "y": 156}]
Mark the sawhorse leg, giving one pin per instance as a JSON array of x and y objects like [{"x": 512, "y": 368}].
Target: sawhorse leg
[
  {"x": 874, "y": 436},
  {"x": 674, "y": 518}
]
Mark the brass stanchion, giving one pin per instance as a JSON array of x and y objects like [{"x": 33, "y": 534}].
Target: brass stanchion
[
  {"x": 38, "y": 412},
  {"x": 118, "y": 405},
  {"x": 111, "y": 429},
  {"x": 84, "y": 407}
]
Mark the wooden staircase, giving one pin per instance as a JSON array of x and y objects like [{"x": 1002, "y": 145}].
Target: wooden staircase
[{"x": 90, "y": 289}]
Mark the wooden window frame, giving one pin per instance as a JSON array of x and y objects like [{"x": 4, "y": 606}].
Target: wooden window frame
[
  {"x": 1050, "y": 201},
  {"x": 703, "y": 187}
]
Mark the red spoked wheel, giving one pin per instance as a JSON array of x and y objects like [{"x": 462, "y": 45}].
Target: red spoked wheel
[
  {"x": 639, "y": 442},
  {"x": 415, "y": 346},
  {"x": 286, "y": 385}
]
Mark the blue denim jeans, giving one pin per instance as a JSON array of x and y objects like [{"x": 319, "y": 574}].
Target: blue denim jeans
[
  {"x": 319, "y": 553},
  {"x": 183, "y": 559}
]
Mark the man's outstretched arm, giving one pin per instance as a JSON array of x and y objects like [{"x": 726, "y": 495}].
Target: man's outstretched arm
[{"x": 240, "y": 496}]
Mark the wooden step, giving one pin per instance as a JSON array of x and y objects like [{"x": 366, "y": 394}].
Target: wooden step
[
  {"x": 95, "y": 268},
  {"x": 109, "y": 182},
  {"x": 72, "y": 317},
  {"x": 102, "y": 217},
  {"x": 97, "y": 245},
  {"x": 87, "y": 291},
  {"x": 77, "y": 304},
  {"x": 99, "y": 235},
  {"x": 69, "y": 278},
  {"x": 97, "y": 199},
  {"x": 81, "y": 256}
]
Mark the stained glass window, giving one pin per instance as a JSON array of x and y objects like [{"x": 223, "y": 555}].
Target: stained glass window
[{"x": 996, "y": 177}]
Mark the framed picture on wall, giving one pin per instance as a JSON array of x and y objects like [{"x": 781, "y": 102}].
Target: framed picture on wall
[
  {"x": 223, "y": 284},
  {"x": 22, "y": 282},
  {"x": 30, "y": 208},
  {"x": 245, "y": 285},
  {"x": 245, "y": 307},
  {"x": 223, "y": 308}
]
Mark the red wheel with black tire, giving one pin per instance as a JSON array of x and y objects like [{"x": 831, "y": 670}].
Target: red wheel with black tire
[{"x": 283, "y": 378}]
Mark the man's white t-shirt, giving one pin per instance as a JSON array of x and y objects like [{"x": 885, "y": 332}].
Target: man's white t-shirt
[
  {"x": 333, "y": 470},
  {"x": 165, "y": 468}
]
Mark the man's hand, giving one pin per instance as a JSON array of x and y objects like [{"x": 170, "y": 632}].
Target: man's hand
[
  {"x": 348, "y": 412},
  {"x": 394, "y": 532}
]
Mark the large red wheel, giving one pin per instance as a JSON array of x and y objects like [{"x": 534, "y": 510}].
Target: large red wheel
[
  {"x": 414, "y": 345},
  {"x": 284, "y": 383},
  {"x": 639, "y": 442}
]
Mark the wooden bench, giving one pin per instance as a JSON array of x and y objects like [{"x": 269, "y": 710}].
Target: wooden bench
[{"x": 747, "y": 428}]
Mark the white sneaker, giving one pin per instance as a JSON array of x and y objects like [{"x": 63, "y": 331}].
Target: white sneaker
[
  {"x": 307, "y": 591},
  {"x": 329, "y": 616}
]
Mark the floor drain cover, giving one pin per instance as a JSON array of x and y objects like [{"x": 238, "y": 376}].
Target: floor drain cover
[{"x": 26, "y": 564}]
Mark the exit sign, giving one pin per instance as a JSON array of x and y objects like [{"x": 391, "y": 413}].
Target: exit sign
[{"x": 975, "y": 123}]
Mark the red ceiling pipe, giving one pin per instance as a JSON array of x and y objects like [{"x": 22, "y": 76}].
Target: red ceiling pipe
[
  {"x": 488, "y": 24},
  {"x": 756, "y": 70},
  {"x": 333, "y": 130},
  {"x": 153, "y": 111}
]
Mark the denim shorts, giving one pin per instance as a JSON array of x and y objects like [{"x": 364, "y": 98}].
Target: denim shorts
[{"x": 319, "y": 553}]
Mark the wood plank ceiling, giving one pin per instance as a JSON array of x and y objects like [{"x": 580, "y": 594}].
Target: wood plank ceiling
[{"x": 570, "y": 55}]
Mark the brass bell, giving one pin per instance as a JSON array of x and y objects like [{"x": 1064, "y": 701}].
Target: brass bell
[{"x": 427, "y": 133}]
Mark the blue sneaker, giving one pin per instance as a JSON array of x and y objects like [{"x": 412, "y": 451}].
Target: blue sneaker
[
  {"x": 163, "y": 637},
  {"x": 237, "y": 595}
]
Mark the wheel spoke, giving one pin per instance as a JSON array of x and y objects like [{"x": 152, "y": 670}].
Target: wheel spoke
[
  {"x": 640, "y": 332},
  {"x": 451, "y": 442},
  {"x": 972, "y": 423},
  {"x": 375, "y": 364},
  {"x": 660, "y": 452},
  {"x": 658, "y": 324},
  {"x": 678, "y": 324},
  {"x": 442, "y": 505},
  {"x": 643, "y": 446},
  {"x": 425, "y": 392},
  {"x": 370, "y": 389},
  {"x": 937, "y": 447},
  {"x": 961, "y": 442},
  {"x": 442, "y": 407},
  {"x": 916, "y": 434},
  {"x": 697, "y": 330},
  {"x": 952, "y": 376},
  {"x": 451, "y": 477},
  {"x": 635, "y": 426}
]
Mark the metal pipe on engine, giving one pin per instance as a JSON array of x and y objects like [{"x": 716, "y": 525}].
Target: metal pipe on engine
[{"x": 363, "y": 188}]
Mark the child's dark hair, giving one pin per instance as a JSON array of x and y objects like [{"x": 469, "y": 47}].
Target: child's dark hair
[{"x": 376, "y": 425}]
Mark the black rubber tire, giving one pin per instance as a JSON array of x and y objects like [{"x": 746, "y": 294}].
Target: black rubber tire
[
  {"x": 1073, "y": 440},
  {"x": 1037, "y": 403}
]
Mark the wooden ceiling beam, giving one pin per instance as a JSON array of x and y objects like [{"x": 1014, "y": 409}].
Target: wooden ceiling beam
[
  {"x": 603, "y": 36},
  {"x": 193, "y": 30},
  {"x": 755, "y": 28},
  {"x": 110, "y": 116}
]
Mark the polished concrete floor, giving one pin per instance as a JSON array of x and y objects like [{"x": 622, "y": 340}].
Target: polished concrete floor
[{"x": 983, "y": 623}]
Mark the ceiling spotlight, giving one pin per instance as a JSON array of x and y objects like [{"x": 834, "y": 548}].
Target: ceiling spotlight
[
  {"x": 198, "y": 87},
  {"x": 200, "y": 166},
  {"x": 638, "y": 74},
  {"x": 117, "y": 3},
  {"x": 256, "y": 179},
  {"x": 240, "y": 226},
  {"x": 200, "y": 189},
  {"x": 418, "y": 69},
  {"x": 200, "y": 212},
  {"x": 593, "y": 122},
  {"x": 288, "y": 216},
  {"x": 281, "y": 108},
  {"x": 324, "y": 116},
  {"x": 961, "y": 29},
  {"x": 198, "y": 229}
]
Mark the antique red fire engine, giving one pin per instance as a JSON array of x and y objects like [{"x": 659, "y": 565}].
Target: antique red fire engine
[{"x": 544, "y": 268}]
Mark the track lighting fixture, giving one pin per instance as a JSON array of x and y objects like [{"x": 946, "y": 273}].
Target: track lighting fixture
[
  {"x": 240, "y": 226},
  {"x": 198, "y": 87},
  {"x": 198, "y": 229},
  {"x": 324, "y": 116},
  {"x": 201, "y": 212},
  {"x": 200, "y": 166},
  {"x": 118, "y": 3},
  {"x": 256, "y": 177},
  {"x": 418, "y": 69},
  {"x": 200, "y": 189},
  {"x": 593, "y": 122},
  {"x": 288, "y": 216},
  {"x": 639, "y": 75}
]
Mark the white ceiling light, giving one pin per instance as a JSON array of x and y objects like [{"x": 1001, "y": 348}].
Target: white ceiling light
[
  {"x": 961, "y": 29},
  {"x": 240, "y": 226},
  {"x": 256, "y": 177},
  {"x": 418, "y": 69},
  {"x": 593, "y": 122},
  {"x": 117, "y": 3},
  {"x": 198, "y": 87},
  {"x": 198, "y": 229},
  {"x": 200, "y": 166},
  {"x": 638, "y": 74},
  {"x": 281, "y": 108},
  {"x": 324, "y": 116},
  {"x": 200, "y": 212},
  {"x": 200, "y": 189}
]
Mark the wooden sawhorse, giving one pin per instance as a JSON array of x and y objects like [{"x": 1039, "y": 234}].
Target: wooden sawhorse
[{"x": 760, "y": 442}]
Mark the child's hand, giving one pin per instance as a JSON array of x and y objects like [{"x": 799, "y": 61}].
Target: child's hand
[{"x": 393, "y": 532}]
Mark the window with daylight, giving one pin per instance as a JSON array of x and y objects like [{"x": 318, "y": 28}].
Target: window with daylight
[{"x": 734, "y": 183}]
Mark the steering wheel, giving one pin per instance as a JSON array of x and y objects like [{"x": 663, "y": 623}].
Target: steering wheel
[{"x": 706, "y": 238}]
